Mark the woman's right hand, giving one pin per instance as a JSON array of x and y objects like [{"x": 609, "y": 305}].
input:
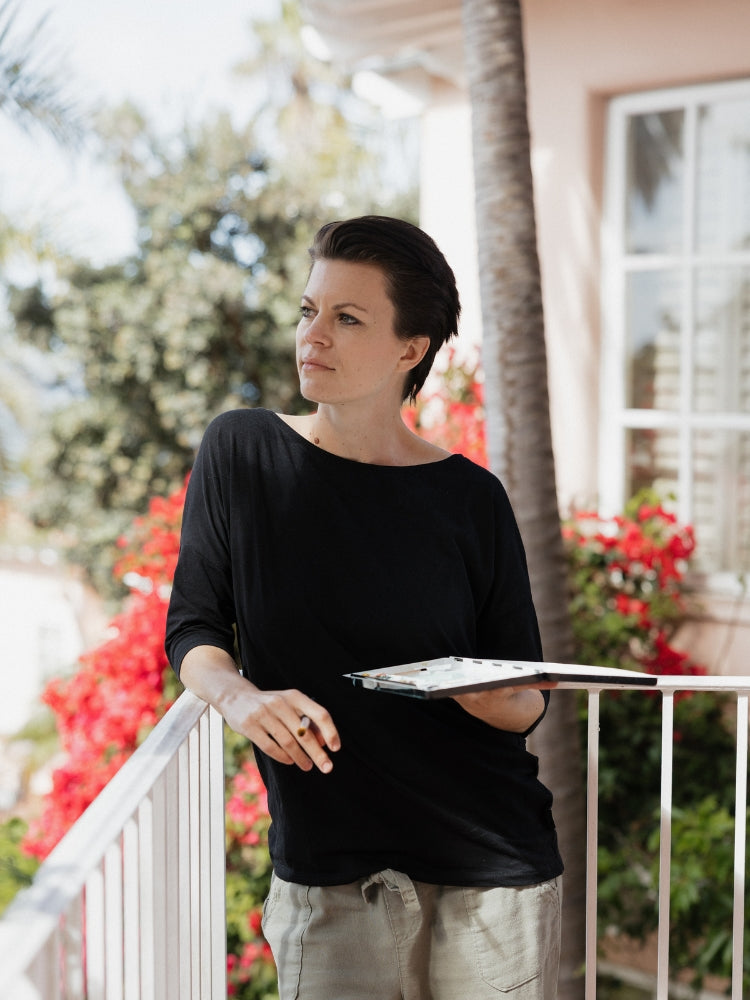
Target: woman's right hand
[{"x": 271, "y": 719}]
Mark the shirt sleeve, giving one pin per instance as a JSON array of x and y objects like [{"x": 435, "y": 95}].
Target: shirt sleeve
[
  {"x": 201, "y": 608},
  {"x": 507, "y": 626}
]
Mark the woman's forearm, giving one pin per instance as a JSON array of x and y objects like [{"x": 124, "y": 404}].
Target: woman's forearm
[
  {"x": 212, "y": 674},
  {"x": 512, "y": 709}
]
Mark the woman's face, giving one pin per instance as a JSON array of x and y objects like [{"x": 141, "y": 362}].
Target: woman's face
[{"x": 347, "y": 348}]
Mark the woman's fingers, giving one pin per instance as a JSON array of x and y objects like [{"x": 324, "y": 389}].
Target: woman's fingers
[
  {"x": 292, "y": 729},
  {"x": 321, "y": 725}
]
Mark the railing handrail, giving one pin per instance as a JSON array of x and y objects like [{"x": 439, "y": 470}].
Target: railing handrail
[
  {"x": 34, "y": 913},
  {"x": 731, "y": 684},
  {"x": 739, "y": 684}
]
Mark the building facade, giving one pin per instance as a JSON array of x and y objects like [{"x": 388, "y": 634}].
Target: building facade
[{"x": 640, "y": 123}]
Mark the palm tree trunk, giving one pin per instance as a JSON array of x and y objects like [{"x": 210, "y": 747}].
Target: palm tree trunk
[{"x": 517, "y": 406}]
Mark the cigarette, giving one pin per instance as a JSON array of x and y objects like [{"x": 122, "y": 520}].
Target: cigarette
[{"x": 304, "y": 725}]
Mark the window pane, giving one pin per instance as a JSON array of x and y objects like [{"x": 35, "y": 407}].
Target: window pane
[
  {"x": 652, "y": 461},
  {"x": 680, "y": 208},
  {"x": 721, "y": 500},
  {"x": 723, "y": 177},
  {"x": 653, "y": 340},
  {"x": 721, "y": 380},
  {"x": 654, "y": 182}
]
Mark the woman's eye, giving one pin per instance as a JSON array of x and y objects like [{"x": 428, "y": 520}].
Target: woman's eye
[
  {"x": 348, "y": 320},
  {"x": 306, "y": 312}
]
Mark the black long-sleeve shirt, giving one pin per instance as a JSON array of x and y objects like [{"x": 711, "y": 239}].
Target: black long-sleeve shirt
[{"x": 327, "y": 566}]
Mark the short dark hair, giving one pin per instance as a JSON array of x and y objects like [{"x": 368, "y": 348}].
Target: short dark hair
[{"x": 420, "y": 282}]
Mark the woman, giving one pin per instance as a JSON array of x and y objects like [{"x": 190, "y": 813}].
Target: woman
[{"x": 413, "y": 847}]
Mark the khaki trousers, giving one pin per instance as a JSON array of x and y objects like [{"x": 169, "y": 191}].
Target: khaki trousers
[{"x": 387, "y": 937}]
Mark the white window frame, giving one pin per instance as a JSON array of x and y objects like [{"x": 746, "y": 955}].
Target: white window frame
[{"x": 615, "y": 418}]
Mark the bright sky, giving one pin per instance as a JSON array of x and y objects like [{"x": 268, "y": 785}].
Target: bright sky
[{"x": 171, "y": 57}]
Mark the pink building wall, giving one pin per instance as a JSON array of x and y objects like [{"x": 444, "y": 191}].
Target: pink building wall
[{"x": 579, "y": 54}]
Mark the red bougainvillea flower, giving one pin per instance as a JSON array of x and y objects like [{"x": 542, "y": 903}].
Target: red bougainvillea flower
[
  {"x": 151, "y": 547},
  {"x": 627, "y": 577},
  {"x": 452, "y": 416},
  {"x": 667, "y": 660},
  {"x": 247, "y": 807},
  {"x": 117, "y": 695}
]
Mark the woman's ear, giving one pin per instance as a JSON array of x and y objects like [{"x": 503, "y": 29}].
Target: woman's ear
[{"x": 414, "y": 350}]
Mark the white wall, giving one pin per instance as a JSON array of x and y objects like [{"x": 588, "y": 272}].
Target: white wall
[
  {"x": 447, "y": 204},
  {"x": 47, "y": 618}
]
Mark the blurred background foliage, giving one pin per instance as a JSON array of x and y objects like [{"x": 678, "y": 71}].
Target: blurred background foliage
[
  {"x": 123, "y": 364},
  {"x": 33, "y": 88}
]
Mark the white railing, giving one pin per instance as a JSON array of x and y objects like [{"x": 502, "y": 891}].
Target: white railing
[
  {"x": 669, "y": 686},
  {"x": 130, "y": 905}
]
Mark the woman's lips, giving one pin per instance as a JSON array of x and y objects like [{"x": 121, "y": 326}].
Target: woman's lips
[{"x": 314, "y": 364}]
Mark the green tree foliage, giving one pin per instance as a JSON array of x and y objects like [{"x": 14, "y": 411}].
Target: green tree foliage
[
  {"x": 16, "y": 868},
  {"x": 201, "y": 318},
  {"x": 155, "y": 346},
  {"x": 36, "y": 95},
  {"x": 32, "y": 93}
]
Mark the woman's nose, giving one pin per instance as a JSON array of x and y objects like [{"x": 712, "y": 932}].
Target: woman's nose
[{"x": 316, "y": 331}]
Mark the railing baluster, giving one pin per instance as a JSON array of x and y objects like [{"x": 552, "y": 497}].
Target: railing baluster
[
  {"x": 94, "y": 934},
  {"x": 113, "y": 921},
  {"x": 217, "y": 830},
  {"x": 171, "y": 882},
  {"x": 740, "y": 833},
  {"x": 146, "y": 894},
  {"x": 592, "y": 826},
  {"x": 665, "y": 845},
  {"x": 45, "y": 971},
  {"x": 163, "y": 979},
  {"x": 204, "y": 818},
  {"x": 71, "y": 937},
  {"x": 182, "y": 834},
  {"x": 195, "y": 860},
  {"x": 130, "y": 911}
]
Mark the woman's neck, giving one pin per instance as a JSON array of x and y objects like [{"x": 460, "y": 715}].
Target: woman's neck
[
  {"x": 369, "y": 438},
  {"x": 360, "y": 436}
]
